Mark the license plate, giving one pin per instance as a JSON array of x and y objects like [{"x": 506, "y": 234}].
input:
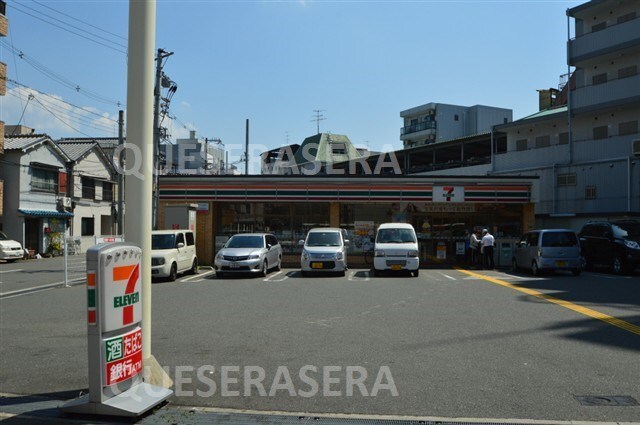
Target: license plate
[
  {"x": 234, "y": 266},
  {"x": 316, "y": 265},
  {"x": 561, "y": 264},
  {"x": 396, "y": 267}
]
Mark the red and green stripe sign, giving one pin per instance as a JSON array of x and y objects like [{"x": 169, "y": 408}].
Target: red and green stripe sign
[{"x": 91, "y": 297}]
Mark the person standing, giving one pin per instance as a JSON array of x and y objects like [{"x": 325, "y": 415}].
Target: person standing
[
  {"x": 487, "y": 249},
  {"x": 474, "y": 243}
]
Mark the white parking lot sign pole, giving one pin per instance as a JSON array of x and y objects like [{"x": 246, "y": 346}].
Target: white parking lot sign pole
[{"x": 115, "y": 335}]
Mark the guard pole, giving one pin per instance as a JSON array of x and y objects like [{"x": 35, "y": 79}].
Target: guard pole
[{"x": 139, "y": 122}]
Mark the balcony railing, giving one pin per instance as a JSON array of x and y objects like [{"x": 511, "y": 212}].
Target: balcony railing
[
  {"x": 611, "y": 93},
  {"x": 414, "y": 128},
  {"x": 594, "y": 43}
]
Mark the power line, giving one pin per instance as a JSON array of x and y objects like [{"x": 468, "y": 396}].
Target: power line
[
  {"x": 59, "y": 100},
  {"x": 79, "y": 20},
  {"x": 23, "y": 111},
  {"x": 12, "y": 5},
  {"x": 59, "y": 78},
  {"x": 61, "y": 120}
]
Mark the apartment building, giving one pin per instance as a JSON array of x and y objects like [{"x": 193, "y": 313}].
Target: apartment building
[
  {"x": 587, "y": 151},
  {"x": 438, "y": 122},
  {"x": 193, "y": 156}
]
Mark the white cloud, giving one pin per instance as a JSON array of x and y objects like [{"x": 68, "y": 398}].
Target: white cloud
[{"x": 51, "y": 115}]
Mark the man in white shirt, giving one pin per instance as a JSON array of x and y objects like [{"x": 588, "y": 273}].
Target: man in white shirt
[{"x": 487, "y": 249}]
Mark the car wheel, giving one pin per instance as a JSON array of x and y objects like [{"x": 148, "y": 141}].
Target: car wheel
[
  {"x": 342, "y": 273},
  {"x": 11, "y": 260},
  {"x": 173, "y": 274},
  {"x": 576, "y": 272},
  {"x": 416, "y": 272},
  {"x": 514, "y": 265},
  {"x": 376, "y": 272},
  {"x": 618, "y": 265},
  {"x": 220, "y": 275},
  {"x": 265, "y": 269},
  {"x": 194, "y": 267},
  {"x": 279, "y": 265},
  {"x": 304, "y": 273},
  {"x": 534, "y": 269}
]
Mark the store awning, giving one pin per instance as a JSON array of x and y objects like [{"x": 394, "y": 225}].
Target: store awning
[{"x": 46, "y": 213}]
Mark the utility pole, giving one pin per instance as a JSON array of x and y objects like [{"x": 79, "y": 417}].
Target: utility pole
[
  {"x": 121, "y": 173},
  {"x": 318, "y": 117},
  {"x": 246, "y": 150},
  {"x": 206, "y": 158},
  {"x": 156, "y": 133}
]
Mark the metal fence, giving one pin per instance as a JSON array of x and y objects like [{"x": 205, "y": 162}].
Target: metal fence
[{"x": 74, "y": 260}]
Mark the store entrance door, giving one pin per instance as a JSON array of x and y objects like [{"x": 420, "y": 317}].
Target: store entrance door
[{"x": 443, "y": 238}]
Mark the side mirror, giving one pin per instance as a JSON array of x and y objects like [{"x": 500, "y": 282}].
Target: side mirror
[
  {"x": 301, "y": 242},
  {"x": 180, "y": 245},
  {"x": 269, "y": 246}
]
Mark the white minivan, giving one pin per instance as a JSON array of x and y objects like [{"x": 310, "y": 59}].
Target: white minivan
[
  {"x": 173, "y": 252},
  {"x": 396, "y": 249}
]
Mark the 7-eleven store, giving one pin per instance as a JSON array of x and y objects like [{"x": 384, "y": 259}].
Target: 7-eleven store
[{"x": 442, "y": 209}]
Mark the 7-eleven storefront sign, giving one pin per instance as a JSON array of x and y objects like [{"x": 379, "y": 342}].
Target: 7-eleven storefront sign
[{"x": 114, "y": 330}]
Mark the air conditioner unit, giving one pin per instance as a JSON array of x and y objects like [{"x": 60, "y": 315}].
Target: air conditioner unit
[
  {"x": 635, "y": 147},
  {"x": 65, "y": 202}
]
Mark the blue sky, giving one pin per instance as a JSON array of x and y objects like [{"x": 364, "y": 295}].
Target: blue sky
[{"x": 274, "y": 62}]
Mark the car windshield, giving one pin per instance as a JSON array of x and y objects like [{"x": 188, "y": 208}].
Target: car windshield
[
  {"x": 324, "y": 239},
  {"x": 396, "y": 236},
  {"x": 626, "y": 230},
  {"x": 245, "y": 242},
  {"x": 162, "y": 241},
  {"x": 559, "y": 239},
  {"x": 3, "y": 237}
]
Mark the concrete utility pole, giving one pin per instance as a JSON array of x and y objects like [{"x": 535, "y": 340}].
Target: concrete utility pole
[
  {"x": 120, "y": 175},
  {"x": 142, "y": 29},
  {"x": 156, "y": 133},
  {"x": 246, "y": 150}
]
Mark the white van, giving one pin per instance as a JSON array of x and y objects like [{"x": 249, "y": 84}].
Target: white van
[
  {"x": 396, "y": 248},
  {"x": 173, "y": 252}
]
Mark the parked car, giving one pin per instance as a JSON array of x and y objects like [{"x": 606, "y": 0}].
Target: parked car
[
  {"x": 548, "y": 250},
  {"x": 395, "y": 249},
  {"x": 324, "y": 249},
  {"x": 249, "y": 253},
  {"x": 10, "y": 250},
  {"x": 615, "y": 244},
  {"x": 173, "y": 252}
]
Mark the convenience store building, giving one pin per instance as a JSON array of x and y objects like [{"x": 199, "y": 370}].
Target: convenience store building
[{"x": 442, "y": 209}]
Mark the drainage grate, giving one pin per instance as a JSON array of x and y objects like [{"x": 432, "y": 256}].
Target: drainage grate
[{"x": 606, "y": 400}]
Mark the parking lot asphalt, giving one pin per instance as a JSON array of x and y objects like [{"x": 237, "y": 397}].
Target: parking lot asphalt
[{"x": 455, "y": 343}]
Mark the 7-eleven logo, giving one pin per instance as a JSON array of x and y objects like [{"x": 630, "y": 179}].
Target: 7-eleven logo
[
  {"x": 448, "y": 192},
  {"x": 130, "y": 275}
]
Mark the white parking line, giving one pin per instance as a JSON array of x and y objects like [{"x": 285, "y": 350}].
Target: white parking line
[
  {"x": 608, "y": 276},
  {"x": 194, "y": 278},
  {"x": 353, "y": 278},
  {"x": 11, "y": 271},
  {"x": 271, "y": 277},
  {"x": 447, "y": 276}
]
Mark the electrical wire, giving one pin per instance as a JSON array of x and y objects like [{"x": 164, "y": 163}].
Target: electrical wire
[
  {"x": 23, "y": 111},
  {"x": 61, "y": 120},
  {"x": 79, "y": 20},
  {"x": 59, "y": 78},
  {"x": 17, "y": 83},
  {"x": 13, "y": 6}
]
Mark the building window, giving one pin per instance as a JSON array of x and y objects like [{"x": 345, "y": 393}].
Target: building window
[
  {"x": 626, "y": 18},
  {"x": 88, "y": 188},
  {"x": 566, "y": 179},
  {"x": 506, "y": 120},
  {"x": 629, "y": 127},
  {"x": 601, "y": 132},
  {"x": 43, "y": 180},
  {"x": 563, "y": 138},
  {"x": 627, "y": 72},
  {"x": 107, "y": 191},
  {"x": 456, "y": 118},
  {"x": 87, "y": 226},
  {"x": 590, "y": 192},
  {"x": 521, "y": 145},
  {"x": 338, "y": 149},
  {"x": 599, "y": 27},
  {"x": 543, "y": 141},
  {"x": 599, "y": 79}
]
